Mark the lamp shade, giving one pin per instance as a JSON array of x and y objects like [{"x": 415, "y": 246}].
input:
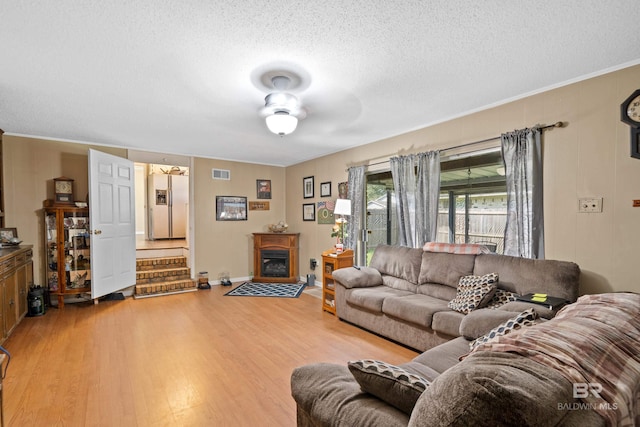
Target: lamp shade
[
  {"x": 281, "y": 123},
  {"x": 343, "y": 207}
]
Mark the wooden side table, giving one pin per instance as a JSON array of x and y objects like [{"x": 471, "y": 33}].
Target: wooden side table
[{"x": 331, "y": 262}]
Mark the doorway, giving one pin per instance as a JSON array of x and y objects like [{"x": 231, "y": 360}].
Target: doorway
[{"x": 157, "y": 227}]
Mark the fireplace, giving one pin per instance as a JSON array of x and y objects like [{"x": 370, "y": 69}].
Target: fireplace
[
  {"x": 275, "y": 257},
  {"x": 274, "y": 263}
]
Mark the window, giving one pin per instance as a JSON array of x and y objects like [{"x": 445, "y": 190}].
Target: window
[{"x": 473, "y": 203}]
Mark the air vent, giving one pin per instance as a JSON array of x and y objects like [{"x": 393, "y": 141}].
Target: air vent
[{"x": 221, "y": 174}]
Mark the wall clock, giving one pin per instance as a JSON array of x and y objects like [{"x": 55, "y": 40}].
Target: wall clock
[
  {"x": 630, "y": 114},
  {"x": 63, "y": 188}
]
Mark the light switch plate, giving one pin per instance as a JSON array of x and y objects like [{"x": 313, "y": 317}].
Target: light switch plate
[{"x": 590, "y": 205}]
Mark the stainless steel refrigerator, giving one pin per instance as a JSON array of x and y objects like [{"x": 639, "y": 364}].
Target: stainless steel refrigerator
[{"x": 168, "y": 206}]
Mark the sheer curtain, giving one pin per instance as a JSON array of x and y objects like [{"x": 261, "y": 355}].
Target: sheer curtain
[
  {"x": 404, "y": 186},
  {"x": 524, "y": 232},
  {"x": 416, "y": 182},
  {"x": 427, "y": 196},
  {"x": 356, "y": 190}
]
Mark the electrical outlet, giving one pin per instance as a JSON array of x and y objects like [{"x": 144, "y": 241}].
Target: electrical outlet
[
  {"x": 590, "y": 205},
  {"x": 313, "y": 263}
]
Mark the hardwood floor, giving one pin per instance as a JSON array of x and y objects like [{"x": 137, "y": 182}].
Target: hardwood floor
[{"x": 194, "y": 359}]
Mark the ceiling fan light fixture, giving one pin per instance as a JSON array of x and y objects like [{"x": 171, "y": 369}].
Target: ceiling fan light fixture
[{"x": 281, "y": 123}]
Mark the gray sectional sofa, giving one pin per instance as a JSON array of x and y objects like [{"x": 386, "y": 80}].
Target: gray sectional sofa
[
  {"x": 524, "y": 374},
  {"x": 404, "y": 293}
]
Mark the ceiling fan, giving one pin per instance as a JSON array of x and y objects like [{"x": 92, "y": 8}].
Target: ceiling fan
[{"x": 282, "y": 110}]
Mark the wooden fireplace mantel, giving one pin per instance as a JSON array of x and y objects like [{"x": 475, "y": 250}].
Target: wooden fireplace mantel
[{"x": 276, "y": 241}]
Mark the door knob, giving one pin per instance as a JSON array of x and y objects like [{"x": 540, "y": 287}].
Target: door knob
[{"x": 96, "y": 232}]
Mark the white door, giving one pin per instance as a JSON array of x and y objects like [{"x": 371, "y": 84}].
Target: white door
[{"x": 112, "y": 220}]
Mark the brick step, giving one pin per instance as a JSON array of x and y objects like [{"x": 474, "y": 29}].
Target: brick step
[
  {"x": 165, "y": 288},
  {"x": 145, "y": 264},
  {"x": 162, "y": 275}
]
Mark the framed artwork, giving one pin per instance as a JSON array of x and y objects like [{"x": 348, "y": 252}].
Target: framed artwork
[
  {"x": 231, "y": 208},
  {"x": 263, "y": 188},
  {"x": 308, "y": 212},
  {"x": 6, "y": 234},
  {"x": 325, "y": 212},
  {"x": 307, "y": 187},
  {"x": 258, "y": 206},
  {"x": 78, "y": 242},
  {"x": 342, "y": 190},
  {"x": 325, "y": 189}
]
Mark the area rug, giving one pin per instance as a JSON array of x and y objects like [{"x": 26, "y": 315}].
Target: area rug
[{"x": 280, "y": 290}]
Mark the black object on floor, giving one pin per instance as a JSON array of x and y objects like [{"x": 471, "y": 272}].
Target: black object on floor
[{"x": 116, "y": 296}]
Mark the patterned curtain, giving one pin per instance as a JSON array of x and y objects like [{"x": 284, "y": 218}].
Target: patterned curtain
[
  {"x": 524, "y": 232},
  {"x": 416, "y": 182}
]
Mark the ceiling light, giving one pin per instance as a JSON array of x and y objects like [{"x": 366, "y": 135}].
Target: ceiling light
[
  {"x": 281, "y": 123},
  {"x": 281, "y": 109}
]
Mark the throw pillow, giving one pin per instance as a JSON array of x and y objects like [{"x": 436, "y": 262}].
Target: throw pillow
[
  {"x": 392, "y": 384},
  {"x": 456, "y": 248},
  {"x": 501, "y": 297},
  {"x": 474, "y": 292},
  {"x": 526, "y": 318}
]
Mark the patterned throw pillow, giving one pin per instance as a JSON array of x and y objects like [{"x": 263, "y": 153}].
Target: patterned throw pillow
[
  {"x": 526, "y": 318},
  {"x": 392, "y": 384},
  {"x": 501, "y": 297},
  {"x": 473, "y": 292}
]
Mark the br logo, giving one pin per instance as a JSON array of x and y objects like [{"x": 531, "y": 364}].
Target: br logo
[{"x": 582, "y": 390}]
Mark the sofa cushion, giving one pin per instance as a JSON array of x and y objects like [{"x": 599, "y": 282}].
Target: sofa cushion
[
  {"x": 473, "y": 292},
  {"x": 418, "y": 309},
  {"x": 372, "y": 298},
  {"x": 447, "y": 322},
  {"x": 480, "y": 322},
  {"x": 526, "y": 318},
  {"x": 395, "y": 385},
  {"x": 456, "y": 248},
  {"x": 444, "y": 268},
  {"x": 497, "y": 389},
  {"x": 437, "y": 290},
  {"x": 397, "y": 261},
  {"x": 444, "y": 356},
  {"x": 353, "y": 278},
  {"x": 399, "y": 283},
  {"x": 523, "y": 275},
  {"x": 329, "y": 395}
]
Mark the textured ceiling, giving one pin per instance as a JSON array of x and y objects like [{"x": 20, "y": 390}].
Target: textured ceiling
[{"x": 185, "y": 77}]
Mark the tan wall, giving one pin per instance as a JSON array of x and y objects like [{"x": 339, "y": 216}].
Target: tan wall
[
  {"x": 588, "y": 158},
  {"x": 29, "y": 167},
  {"x": 227, "y": 246}
]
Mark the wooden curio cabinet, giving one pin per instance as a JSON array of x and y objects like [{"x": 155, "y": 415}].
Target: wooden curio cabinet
[
  {"x": 67, "y": 251},
  {"x": 330, "y": 263}
]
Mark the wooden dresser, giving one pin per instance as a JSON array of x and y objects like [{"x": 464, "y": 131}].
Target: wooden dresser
[{"x": 16, "y": 275}]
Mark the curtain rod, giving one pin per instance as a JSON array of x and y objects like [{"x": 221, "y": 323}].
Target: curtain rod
[{"x": 555, "y": 125}]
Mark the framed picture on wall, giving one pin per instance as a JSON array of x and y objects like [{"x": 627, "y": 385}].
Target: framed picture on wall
[
  {"x": 263, "y": 188},
  {"x": 325, "y": 189},
  {"x": 309, "y": 212},
  {"x": 8, "y": 234},
  {"x": 231, "y": 208},
  {"x": 307, "y": 187}
]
